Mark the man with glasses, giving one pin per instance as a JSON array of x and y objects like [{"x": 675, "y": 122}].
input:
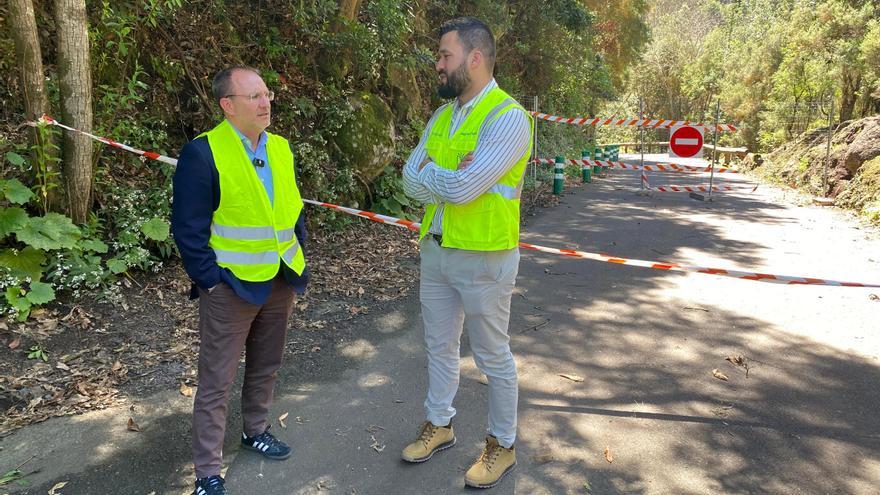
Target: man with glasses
[{"x": 238, "y": 222}]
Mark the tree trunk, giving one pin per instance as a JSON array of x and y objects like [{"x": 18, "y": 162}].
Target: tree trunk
[
  {"x": 849, "y": 93},
  {"x": 348, "y": 9},
  {"x": 848, "y": 89},
  {"x": 76, "y": 103},
  {"x": 28, "y": 57}
]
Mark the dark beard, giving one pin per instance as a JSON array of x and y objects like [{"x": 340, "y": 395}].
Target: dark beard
[{"x": 456, "y": 82}]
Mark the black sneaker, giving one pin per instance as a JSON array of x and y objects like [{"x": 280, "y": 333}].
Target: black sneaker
[
  {"x": 212, "y": 485},
  {"x": 266, "y": 444}
]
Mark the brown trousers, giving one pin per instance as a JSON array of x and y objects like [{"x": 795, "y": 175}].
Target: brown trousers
[{"x": 228, "y": 325}]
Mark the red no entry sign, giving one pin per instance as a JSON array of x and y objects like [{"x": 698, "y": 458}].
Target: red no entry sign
[{"x": 686, "y": 142}]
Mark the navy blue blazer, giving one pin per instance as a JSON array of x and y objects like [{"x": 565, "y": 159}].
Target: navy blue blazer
[{"x": 196, "y": 197}]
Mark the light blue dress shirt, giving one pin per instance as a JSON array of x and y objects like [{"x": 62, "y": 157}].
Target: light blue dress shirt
[{"x": 264, "y": 172}]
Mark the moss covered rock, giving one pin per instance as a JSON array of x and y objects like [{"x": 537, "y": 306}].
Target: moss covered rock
[
  {"x": 406, "y": 96},
  {"x": 366, "y": 143}
]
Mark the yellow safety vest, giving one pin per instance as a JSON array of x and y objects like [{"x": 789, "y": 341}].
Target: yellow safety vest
[
  {"x": 249, "y": 235},
  {"x": 491, "y": 221}
]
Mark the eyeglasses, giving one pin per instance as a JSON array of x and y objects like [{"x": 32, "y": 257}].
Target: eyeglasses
[{"x": 269, "y": 95}]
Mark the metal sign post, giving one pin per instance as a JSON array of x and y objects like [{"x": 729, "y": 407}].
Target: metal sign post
[
  {"x": 714, "y": 147},
  {"x": 642, "y": 141}
]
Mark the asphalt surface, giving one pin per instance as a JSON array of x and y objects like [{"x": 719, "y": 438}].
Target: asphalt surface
[{"x": 648, "y": 416}]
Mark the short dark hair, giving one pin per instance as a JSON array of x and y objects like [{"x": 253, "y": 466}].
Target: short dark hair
[
  {"x": 220, "y": 85},
  {"x": 473, "y": 33}
]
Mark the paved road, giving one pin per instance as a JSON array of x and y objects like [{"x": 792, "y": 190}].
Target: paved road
[{"x": 802, "y": 420}]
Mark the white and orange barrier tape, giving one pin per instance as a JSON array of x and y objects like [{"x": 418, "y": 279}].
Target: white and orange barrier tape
[
  {"x": 660, "y": 167},
  {"x": 689, "y": 189},
  {"x": 671, "y": 188},
  {"x": 652, "y": 123},
  {"x": 669, "y": 167},
  {"x": 110, "y": 142},
  {"x": 571, "y": 161},
  {"x": 414, "y": 226},
  {"x": 607, "y": 258}
]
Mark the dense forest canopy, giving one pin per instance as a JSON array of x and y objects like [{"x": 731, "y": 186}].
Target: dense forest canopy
[
  {"x": 355, "y": 83},
  {"x": 775, "y": 65}
]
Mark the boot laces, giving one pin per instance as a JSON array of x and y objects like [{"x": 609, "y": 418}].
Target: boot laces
[
  {"x": 490, "y": 454},
  {"x": 427, "y": 432}
]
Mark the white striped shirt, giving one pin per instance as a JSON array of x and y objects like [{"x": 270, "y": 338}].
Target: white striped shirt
[{"x": 501, "y": 144}]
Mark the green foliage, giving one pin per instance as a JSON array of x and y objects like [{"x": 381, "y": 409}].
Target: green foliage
[
  {"x": 117, "y": 265},
  {"x": 773, "y": 64},
  {"x": 151, "y": 70},
  {"x": 36, "y": 352},
  {"x": 45, "y": 165},
  {"x": 49, "y": 232},
  {"x": 13, "y": 475},
  {"x": 42, "y": 254},
  {"x": 11, "y": 219},
  {"x": 156, "y": 229},
  {"x": 14, "y": 191},
  {"x": 22, "y": 300},
  {"x": 390, "y": 198},
  {"x": 14, "y": 158},
  {"x": 40, "y": 293},
  {"x": 27, "y": 263}
]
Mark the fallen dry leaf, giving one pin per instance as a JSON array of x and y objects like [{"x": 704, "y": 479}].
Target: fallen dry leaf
[
  {"x": 57, "y": 487},
  {"x": 132, "y": 426},
  {"x": 608, "y": 456},
  {"x": 81, "y": 388},
  {"x": 574, "y": 378},
  {"x": 874, "y": 297},
  {"x": 186, "y": 390},
  {"x": 15, "y": 343},
  {"x": 737, "y": 360},
  {"x": 178, "y": 348},
  {"x": 719, "y": 375},
  {"x": 116, "y": 366},
  {"x": 375, "y": 445},
  {"x": 281, "y": 420}
]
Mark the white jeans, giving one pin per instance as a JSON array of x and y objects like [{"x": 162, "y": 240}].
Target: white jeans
[{"x": 470, "y": 288}]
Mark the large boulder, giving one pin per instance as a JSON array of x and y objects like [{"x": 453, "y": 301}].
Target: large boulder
[
  {"x": 865, "y": 145},
  {"x": 366, "y": 143},
  {"x": 405, "y": 93}
]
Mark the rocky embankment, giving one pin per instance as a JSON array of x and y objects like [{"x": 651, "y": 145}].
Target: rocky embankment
[{"x": 853, "y": 179}]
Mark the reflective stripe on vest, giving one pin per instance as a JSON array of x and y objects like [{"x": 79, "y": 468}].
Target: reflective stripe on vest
[
  {"x": 243, "y": 233},
  {"x": 249, "y": 235},
  {"x": 506, "y": 191},
  {"x": 491, "y": 221}
]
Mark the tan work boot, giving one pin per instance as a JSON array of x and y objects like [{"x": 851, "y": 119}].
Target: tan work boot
[
  {"x": 431, "y": 439},
  {"x": 491, "y": 466}
]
